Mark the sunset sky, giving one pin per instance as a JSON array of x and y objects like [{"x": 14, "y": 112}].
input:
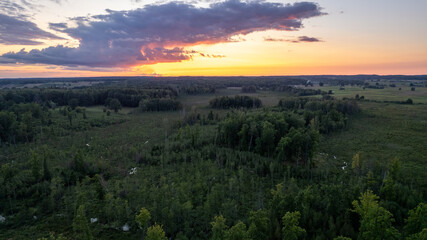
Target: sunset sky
[{"x": 72, "y": 38}]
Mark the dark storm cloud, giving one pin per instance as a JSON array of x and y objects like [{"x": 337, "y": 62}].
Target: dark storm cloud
[
  {"x": 19, "y": 31},
  {"x": 298, "y": 40},
  {"x": 159, "y": 33}
]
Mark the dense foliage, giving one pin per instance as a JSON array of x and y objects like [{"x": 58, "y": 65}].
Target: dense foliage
[
  {"x": 20, "y": 122},
  {"x": 128, "y": 97}
]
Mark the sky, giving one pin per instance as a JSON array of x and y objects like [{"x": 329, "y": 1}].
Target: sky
[{"x": 78, "y": 38}]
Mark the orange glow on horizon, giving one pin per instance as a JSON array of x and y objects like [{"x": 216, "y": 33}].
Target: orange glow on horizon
[{"x": 253, "y": 56}]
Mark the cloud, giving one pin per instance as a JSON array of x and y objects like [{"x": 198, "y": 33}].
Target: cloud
[
  {"x": 16, "y": 31},
  {"x": 58, "y": 1},
  {"x": 58, "y": 26},
  {"x": 161, "y": 33},
  {"x": 269, "y": 39},
  {"x": 211, "y": 55},
  {"x": 19, "y": 8},
  {"x": 308, "y": 39},
  {"x": 10, "y": 7},
  {"x": 298, "y": 40}
]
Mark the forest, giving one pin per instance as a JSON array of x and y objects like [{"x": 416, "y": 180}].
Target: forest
[{"x": 244, "y": 158}]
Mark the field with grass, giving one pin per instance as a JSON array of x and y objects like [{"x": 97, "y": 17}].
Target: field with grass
[
  {"x": 386, "y": 94},
  {"x": 381, "y": 133}
]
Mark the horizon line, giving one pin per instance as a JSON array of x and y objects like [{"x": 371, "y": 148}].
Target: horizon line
[{"x": 221, "y": 76}]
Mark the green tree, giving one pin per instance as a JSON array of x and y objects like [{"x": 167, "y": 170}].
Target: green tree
[
  {"x": 265, "y": 143},
  {"x": 143, "y": 217},
  {"x": 416, "y": 224},
  {"x": 70, "y": 115},
  {"x": 418, "y": 236},
  {"x": 80, "y": 225},
  {"x": 376, "y": 221},
  {"x": 9, "y": 183},
  {"x": 237, "y": 232},
  {"x": 290, "y": 229},
  {"x": 395, "y": 169},
  {"x": 53, "y": 237},
  {"x": 73, "y": 103},
  {"x": 356, "y": 163},
  {"x": 46, "y": 172},
  {"x": 219, "y": 228},
  {"x": 259, "y": 225},
  {"x": 156, "y": 233},
  {"x": 211, "y": 116},
  {"x": 115, "y": 104},
  {"x": 342, "y": 238},
  {"x": 299, "y": 144},
  {"x": 8, "y": 125},
  {"x": 35, "y": 166}
]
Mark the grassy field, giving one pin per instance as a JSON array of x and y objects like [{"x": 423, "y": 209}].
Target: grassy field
[
  {"x": 383, "y": 132},
  {"x": 386, "y": 94}
]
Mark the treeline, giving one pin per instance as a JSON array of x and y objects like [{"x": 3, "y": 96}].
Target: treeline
[
  {"x": 226, "y": 102},
  {"x": 249, "y": 89},
  {"x": 128, "y": 97},
  {"x": 301, "y": 91},
  {"x": 197, "y": 89},
  {"x": 408, "y": 101},
  {"x": 343, "y": 106},
  {"x": 207, "y": 84}
]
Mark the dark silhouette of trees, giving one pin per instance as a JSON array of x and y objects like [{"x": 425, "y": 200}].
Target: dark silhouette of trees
[{"x": 235, "y": 102}]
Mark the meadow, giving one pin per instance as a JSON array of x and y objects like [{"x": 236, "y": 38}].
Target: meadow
[{"x": 386, "y": 94}]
